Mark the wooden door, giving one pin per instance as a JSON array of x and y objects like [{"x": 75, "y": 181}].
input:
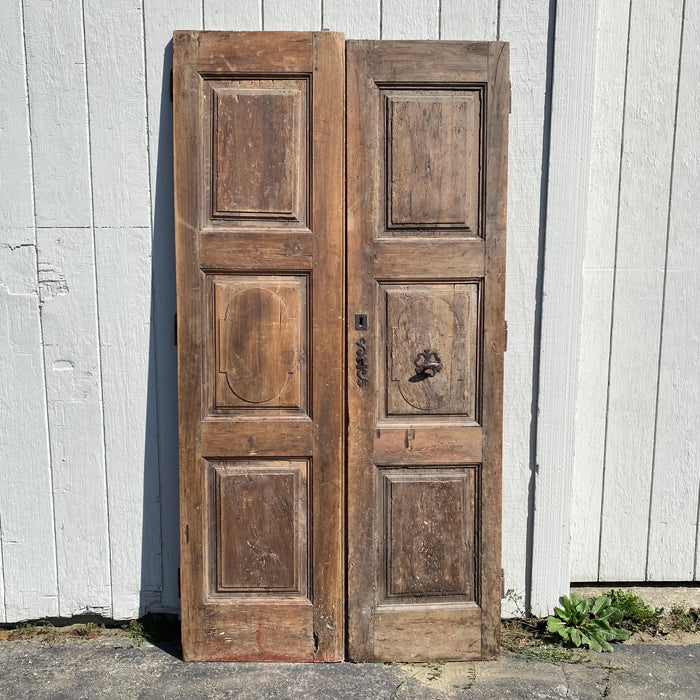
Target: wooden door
[
  {"x": 426, "y": 226},
  {"x": 258, "y": 128}
]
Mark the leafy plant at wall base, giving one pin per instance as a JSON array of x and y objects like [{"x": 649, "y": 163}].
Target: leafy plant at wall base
[
  {"x": 581, "y": 622},
  {"x": 636, "y": 614}
]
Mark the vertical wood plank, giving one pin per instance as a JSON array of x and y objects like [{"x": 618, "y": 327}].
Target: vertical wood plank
[
  {"x": 525, "y": 27},
  {"x": 117, "y": 109},
  {"x": 597, "y": 294},
  {"x": 71, "y": 353},
  {"x": 131, "y": 447},
  {"x": 641, "y": 244},
  {"x": 574, "y": 71},
  {"x": 26, "y": 510},
  {"x": 15, "y": 165},
  {"x": 303, "y": 15},
  {"x": 56, "y": 72},
  {"x": 476, "y": 20},
  {"x": 410, "y": 19},
  {"x": 161, "y": 17},
  {"x": 3, "y": 616},
  {"x": 356, "y": 20},
  {"x": 27, "y": 551},
  {"x": 224, "y": 15},
  {"x": 61, "y": 160},
  {"x": 115, "y": 76},
  {"x": 673, "y": 519}
]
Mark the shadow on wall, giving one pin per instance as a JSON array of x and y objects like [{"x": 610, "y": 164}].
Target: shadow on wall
[{"x": 161, "y": 469}]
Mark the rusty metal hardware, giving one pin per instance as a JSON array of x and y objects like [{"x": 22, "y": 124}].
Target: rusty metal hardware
[
  {"x": 361, "y": 362},
  {"x": 428, "y": 363}
]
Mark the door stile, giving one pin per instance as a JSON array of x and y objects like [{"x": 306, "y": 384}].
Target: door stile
[
  {"x": 426, "y": 164},
  {"x": 258, "y": 134}
]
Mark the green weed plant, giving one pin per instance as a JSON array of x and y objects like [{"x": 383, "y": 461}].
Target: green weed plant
[{"x": 581, "y": 622}]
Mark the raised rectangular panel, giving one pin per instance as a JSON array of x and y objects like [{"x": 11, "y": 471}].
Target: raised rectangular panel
[
  {"x": 431, "y": 318},
  {"x": 258, "y": 526},
  {"x": 433, "y": 160},
  {"x": 259, "y": 150},
  {"x": 429, "y": 531},
  {"x": 259, "y": 351}
]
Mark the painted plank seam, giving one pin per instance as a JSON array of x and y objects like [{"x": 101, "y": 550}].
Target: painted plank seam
[
  {"x": 636, "y": 322},
  {"x": 673, "y": 517},
  {"x": 598, "y": 285},
  {"x": 573, "y": 81}
]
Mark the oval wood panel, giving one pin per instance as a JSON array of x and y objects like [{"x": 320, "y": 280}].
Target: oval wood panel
[
  {"x": 426, "y": 322},
  {"x": 257, "y": 351},
  {"x": 441, "y": 318}
]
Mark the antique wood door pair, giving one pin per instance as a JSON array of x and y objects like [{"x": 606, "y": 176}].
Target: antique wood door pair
[{"x": 299, "y": 342}]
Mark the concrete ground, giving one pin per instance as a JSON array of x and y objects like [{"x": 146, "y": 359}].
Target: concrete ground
[{"x": 116, "y": 668}]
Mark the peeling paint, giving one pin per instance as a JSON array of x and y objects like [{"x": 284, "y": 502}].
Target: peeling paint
[{"x": 52, "y": 283}]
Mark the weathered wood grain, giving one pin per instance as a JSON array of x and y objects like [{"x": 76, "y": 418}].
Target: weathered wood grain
[
  {"x": 28, "y": 586},
  {"x": 161, "y": 17},
  {"x": 673, "y": 517},
  {"x": 430, "y": 633},
  {"x": 526, "y": 27},
  {"x": 239, "y": 325},
  {"x": 410, "y": 19},
  {"x": 597, "y": 290},
  {"x": 574, "y": 73},
  {"x": 634, "y": 360},
  {"x": 405, "y": 439}
]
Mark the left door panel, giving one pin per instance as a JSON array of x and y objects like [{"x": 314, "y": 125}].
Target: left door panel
[{"x": 258, "y": 131}]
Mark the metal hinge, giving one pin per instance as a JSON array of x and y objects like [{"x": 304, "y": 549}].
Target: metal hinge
[
  {"x": 171, "y": 84},
  {"x": 510, "y": 96},
  {"x": 175, "y": 329},
  {"x": 505, "y": 341},
  {"x": 179, "y": 584},
  {"x": 503, "y": 583}
]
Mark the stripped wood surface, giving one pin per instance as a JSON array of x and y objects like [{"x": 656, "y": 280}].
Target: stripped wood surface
[
  {"x": 62, "y": 180},
  {"x": 103, "y": 122}
]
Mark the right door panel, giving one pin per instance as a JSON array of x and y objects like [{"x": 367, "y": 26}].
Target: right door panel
[{"x": 426, "y": 222}]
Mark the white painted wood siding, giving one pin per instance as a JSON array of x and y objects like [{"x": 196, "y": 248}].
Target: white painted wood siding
[
  {"x": 636, "y": 480},
  {"x": 88, "y": 403}
]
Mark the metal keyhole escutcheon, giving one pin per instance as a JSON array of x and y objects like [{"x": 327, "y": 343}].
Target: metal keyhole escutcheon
[{"x": 428, "y": 363}]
